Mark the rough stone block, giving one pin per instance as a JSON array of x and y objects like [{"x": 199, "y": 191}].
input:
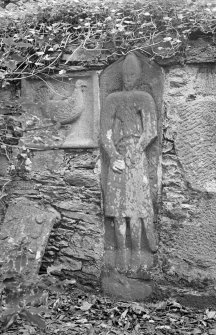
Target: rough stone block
[
  {"x": 70, "y": 264},
  {"x": 25, "y": 231},
  {"x": 84, "y": 247},
  {"x": 187, "y": 234},
  {"x": 81, "y": 178},
  {"x": 196, "y": 142},
  {"x": 51, "y": 160},
  {"x": 78, "y": 237}
]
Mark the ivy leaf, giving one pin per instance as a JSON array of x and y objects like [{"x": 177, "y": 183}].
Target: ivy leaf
[
  {"x": 167, "y": 39},
  {"x": 129, "y": 22},
  {"x": 39, "y": 64},
  {"x": 62, "y": 72},
  {"x": 39, "y": 53}
]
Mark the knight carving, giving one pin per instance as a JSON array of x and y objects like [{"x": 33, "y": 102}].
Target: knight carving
[{"x": 129, "y": 127}]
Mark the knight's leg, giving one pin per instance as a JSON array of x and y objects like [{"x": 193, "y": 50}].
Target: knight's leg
[
  {"x": 121, "y": 255},
  {"x": 136, "y": 235},
  {"x": 150, "y": 233}
]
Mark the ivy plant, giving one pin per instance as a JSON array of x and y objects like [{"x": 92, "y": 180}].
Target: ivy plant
[{"x": 35, "y": 43}]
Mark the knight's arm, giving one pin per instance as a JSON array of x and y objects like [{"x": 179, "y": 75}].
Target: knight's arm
[
  {"x": 149, "y": 121},
  {"x": 107, "y": 122}
]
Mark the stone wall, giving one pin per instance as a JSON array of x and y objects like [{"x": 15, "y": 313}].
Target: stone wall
[
  {"x": 187, "y": 227},
  {"x": 62, "y": 181},
  {"x": 68, "y": 181}
]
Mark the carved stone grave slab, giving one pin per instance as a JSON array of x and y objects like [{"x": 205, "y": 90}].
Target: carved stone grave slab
[
  {"x": 24, "y": 235},
  {"x": 61, "y": 111},
  {"x": 130, "y": 136},
  {"x": 196, "y": 142},
  {"x": 187, "y": 234}
]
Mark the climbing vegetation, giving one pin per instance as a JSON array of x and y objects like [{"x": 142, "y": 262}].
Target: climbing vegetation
[
  {"x": 35, "y": 38},
  {"x": 49, "y": 36}
]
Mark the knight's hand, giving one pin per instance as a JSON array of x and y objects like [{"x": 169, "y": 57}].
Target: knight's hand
[{"x": 118, "y": 165}]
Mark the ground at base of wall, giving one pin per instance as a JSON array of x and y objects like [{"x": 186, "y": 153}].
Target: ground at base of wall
[
  {"x": 73, "y": 311},
  {"x": 202, "y": 299}
]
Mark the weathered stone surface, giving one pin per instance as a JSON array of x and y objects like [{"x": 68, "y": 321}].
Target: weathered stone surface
[
  {"x": 75, "y": 246},
  {"x": 127, "y": 289},
  {"x": 80, "y": 178},
  {"x": 47, "y": 161},
  {"x": 129, "y": 127},
  {"x": 187, "y": 233},
  {"x": 90, "y": 268},
  {"x": 200, "y": 50},
  {"x": 61, "y": 111},
  {"x": 67, "y": 182},
  {"x": 191, "y": 250},
  {"x": 70, "y": 264},
  {"x": 76, "y": 243},
  {"x": 196, "y": 142},
  {"x": 81, "y": 247},
  {"x": 26, "y": 225}
]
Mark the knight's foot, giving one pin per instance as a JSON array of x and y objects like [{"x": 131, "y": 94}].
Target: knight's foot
[
  {"x": 135, "y": 261},
  {"x": 121, "y": 261},
  {"x": 152, "y": 239}
]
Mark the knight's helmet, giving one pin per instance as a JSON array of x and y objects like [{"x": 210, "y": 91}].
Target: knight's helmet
[{"x": 131, "y": 68}]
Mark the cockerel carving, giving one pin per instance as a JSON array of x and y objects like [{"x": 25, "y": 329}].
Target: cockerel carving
[{"x": 60, "y": 108}]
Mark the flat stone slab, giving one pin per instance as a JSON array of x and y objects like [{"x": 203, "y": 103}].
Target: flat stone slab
[
  {"x": 124, "y": 288},
  {"x": 61, "y": 111}
]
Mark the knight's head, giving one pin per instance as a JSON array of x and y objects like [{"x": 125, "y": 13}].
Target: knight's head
[{"x": 131, "y": 71}]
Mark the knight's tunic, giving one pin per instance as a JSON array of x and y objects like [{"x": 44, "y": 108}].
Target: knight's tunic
[{"x": 129, "y": 117}]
